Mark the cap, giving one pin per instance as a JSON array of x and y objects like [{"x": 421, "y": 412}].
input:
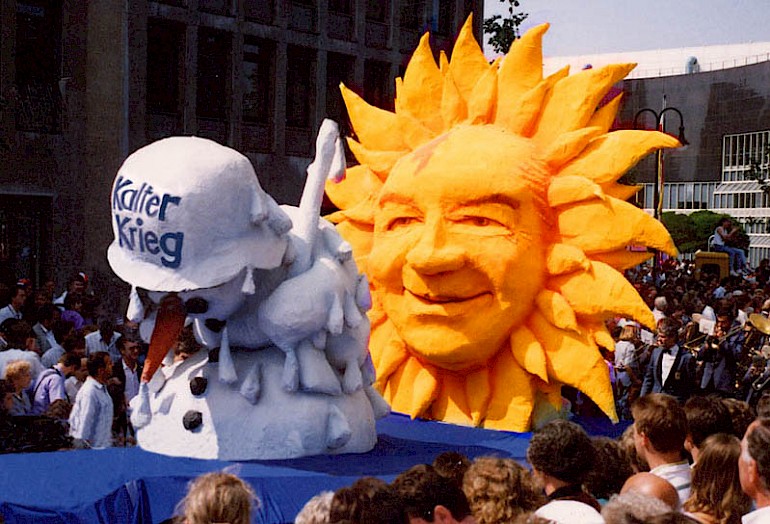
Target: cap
[{"x": 189, "y": 213}]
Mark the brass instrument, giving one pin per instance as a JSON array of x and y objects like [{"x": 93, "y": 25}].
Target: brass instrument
[
  {"x": 694, "y": 344},
  {"x": 761, "y": 382}
]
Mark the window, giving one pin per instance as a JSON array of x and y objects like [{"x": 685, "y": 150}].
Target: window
[
  {"x": 258, "y": 73},
  {"x": 377, "y": 10},
  {"x": 38, "y": 65},
  {"x": 376, "y": 82},
  {"x": 412, "y": 14},
  {"x": 446, "y": 16},
  {"x": 165, "y": 66},
  {"x": 258, "y": 10},
  {"x": 214, "y": 57},
  {"x": 300, "y": 87},
  {"x": 339, "y": 69},
  {"x": 341, "y": 6}
]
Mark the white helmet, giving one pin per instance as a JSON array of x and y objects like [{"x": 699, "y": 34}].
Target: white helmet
[{"x": 189, "y": 213}]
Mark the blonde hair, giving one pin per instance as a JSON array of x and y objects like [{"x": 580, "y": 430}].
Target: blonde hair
[
  {"x": 15, "y": 369},
  {"x": 628, "y": 332},
  {"x": 219, "y": 498},
  {"x": 716, "y": 487},
  {"x": 316, "y": 510},
  {"x": 500, "y": 489}
]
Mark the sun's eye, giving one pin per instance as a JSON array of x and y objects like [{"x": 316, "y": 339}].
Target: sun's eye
[{"x": 401, "y": 222}]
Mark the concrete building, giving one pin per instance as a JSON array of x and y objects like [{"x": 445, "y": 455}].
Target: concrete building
[{"x": 83, "y": 83}]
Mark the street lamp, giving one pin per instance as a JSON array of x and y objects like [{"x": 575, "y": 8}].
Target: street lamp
[{"x": 657, "y": 196}]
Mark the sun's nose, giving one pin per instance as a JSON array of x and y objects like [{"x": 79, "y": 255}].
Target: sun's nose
[{"x": 434, "y": 253}]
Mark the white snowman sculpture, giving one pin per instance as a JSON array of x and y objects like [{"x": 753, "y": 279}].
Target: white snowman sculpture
[{"x": 272, "y": 293}]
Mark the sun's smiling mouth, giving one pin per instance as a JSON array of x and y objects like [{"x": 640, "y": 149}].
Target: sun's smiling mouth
[{"x": 429, "y": 298}]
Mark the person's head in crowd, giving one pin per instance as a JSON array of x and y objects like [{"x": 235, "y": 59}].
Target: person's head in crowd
[
  {"x": 186, "y": 345},
  {"x": 628, "y": 441},
  {"x": 17, "y": 297},
  {"x": 19, "y": 374},
  {"x": 19, "y": 335},
  {"x": 668, "y": 332},
  {"x": 426, "y": 496},
  {"x": 368, "y": 499},
  {"x": 73, "y": 302},
  {"x": 100, "y": 366},
  {"x": 716, "y": 488},
  {"x": 77, "y": 283},
  {"x": 632, "y": 507},
  {"x": 611, "y": 469},
  {"x": 316, "y": 510},
  {"x": 754, "y": 462},
  {"x": 660, "y": 427},
  {"x": 661, "y": 304},
  {"x": 218, "y": 497},
  {"x": 652, "y": 485},
  {"x": 741, "y": 415},
  {"x": 629, "y": 332},
  {"x": 672, "y": 517},
  {"x": 47, "y": 314},
  {"x": 499, "y": 489},
  {"x": 49, "y": 287},
  {"x": 62, "y": 329},
  {"x": 70, "y": 363},
  {"x": 560, "y": 454},
  {"x": 106, "y": 329},
  {"x": 7, "y": 392},
  {"x": 128, "y": 346},
  {"x": 452, "y": 465},
  {"x": 82, "y": 372},
  {"x": 705, "y": 416},
  {"x": 75, "y": 344},
  {"x": 763, "y": 406}
]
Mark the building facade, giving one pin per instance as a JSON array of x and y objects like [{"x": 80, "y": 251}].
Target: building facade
[
  {"x": 726, "y": 115},
  {"x": 83, "y": 83}
]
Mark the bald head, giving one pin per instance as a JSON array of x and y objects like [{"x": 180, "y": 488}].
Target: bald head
[{"x": 653, "y": 486}]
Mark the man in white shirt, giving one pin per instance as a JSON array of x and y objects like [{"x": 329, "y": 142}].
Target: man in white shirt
[
  {"x": 13, "y": 310},
  {"x": 660, "y": 427},
  {"x": 103, "y": 340},
  {"x": 754, "y": 470},
  {"x": 91, "y": 417}
]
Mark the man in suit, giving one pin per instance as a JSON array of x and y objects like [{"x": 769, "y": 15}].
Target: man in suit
[
  {"x": 671, "y": 369},
  {"x": 720, "y": 354},
  {"x": 124, "y": 384}
]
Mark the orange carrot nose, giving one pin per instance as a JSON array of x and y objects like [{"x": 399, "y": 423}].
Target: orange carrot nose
[{"x": 168, "y": 325}]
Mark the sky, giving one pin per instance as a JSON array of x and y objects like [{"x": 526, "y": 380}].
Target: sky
[{"x": 604, "y": 26}]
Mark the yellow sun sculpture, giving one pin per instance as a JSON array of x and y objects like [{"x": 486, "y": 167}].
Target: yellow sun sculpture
[{"x": 487, "y": 214}]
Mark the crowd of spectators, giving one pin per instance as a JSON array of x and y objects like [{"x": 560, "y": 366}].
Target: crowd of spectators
[
  {"x": 692, "y": 391},
  {"x": 69, "y": 369}
]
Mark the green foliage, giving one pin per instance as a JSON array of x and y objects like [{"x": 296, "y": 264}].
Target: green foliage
[
  {"x": 691, "y": 232},
  {"x": 503, "y": 31}
]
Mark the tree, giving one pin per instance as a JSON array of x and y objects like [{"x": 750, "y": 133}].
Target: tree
[
  {"x": 503, "y": 31},
  {"x": 691, "y": 232}
]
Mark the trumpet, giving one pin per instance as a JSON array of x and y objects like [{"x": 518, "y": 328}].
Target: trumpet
[
  {"x": 694, "y": 344},
  {"x": 761, "y": 382}
]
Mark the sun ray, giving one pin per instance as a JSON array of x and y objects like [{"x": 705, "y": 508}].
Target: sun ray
[
  {"x": 417, "y": 388},
  {"x": 614, "y": 225},
  {"x": 600, "y": 293},
  {"x": 575, "y": 360},
  {"x": 605, "y": 115},
  {"x": 606, "y": 158},
  {"x": 529, "y": 353},
  {"x": 562, "y": 259},
  {"x": 572, "y": 189}
]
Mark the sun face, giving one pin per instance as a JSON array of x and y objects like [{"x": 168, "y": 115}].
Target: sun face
[{"x": 487, "y": 215}]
